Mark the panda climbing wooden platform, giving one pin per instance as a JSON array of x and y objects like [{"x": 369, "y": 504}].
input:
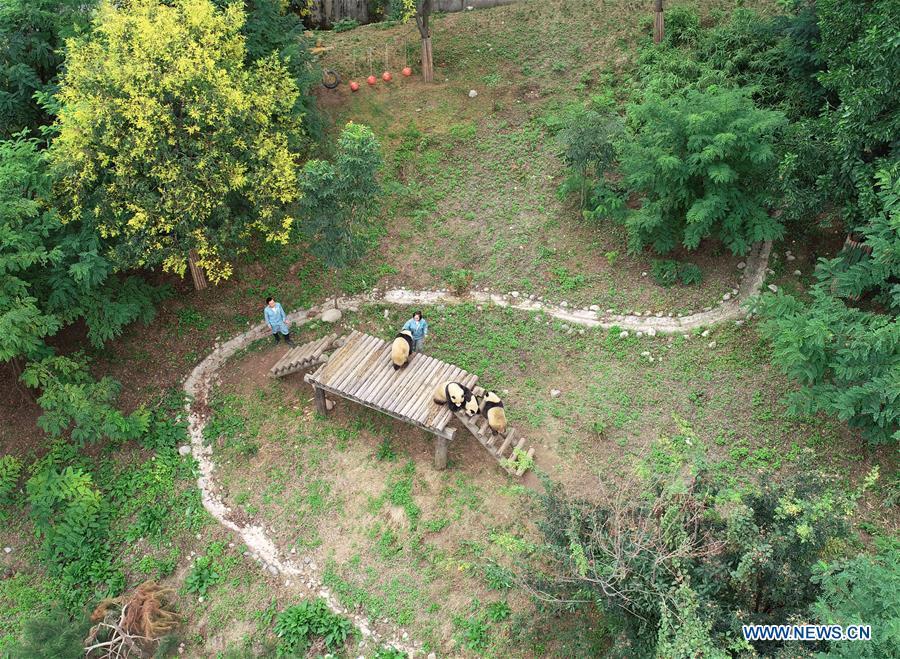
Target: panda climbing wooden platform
[
  {"x": 303, "y": 357},
  {"x": 361, "y": 371},
  {"x": 516, "y": 461}
]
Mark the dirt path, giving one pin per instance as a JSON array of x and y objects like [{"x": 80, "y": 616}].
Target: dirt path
[{"x": 300, "y": 571}]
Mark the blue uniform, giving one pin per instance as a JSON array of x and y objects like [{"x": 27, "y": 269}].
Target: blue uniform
[{"x": 275, "y": 316}]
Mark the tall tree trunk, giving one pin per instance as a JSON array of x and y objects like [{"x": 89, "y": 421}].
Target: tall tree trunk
[
  {"x": 423, "y": 11},
  {"x": 196, "y": 272},
  {"x": 659, "y": 28}
]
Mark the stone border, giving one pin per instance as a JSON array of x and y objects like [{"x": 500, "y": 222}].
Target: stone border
[{"x": 198, "y": 383}]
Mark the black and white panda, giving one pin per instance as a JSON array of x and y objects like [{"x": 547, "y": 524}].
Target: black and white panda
[
  {"x": 491, "y": 408},
  {"x": 457, "y": 396},
  {"x": 401, "y": 349}
]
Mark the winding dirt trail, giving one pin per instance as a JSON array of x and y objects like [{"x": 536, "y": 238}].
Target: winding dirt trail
[{"x": 299, "y": 571}]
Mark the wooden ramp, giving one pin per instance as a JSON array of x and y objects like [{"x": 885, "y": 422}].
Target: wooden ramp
[
  {"x": 498, "y": 445},
  {"x": 304, "y": 357},
  {"x": 361, "y": 371}
]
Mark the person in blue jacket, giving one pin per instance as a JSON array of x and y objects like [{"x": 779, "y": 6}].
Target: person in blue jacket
[
  {"x": 418, "y": 327},
  {"x": 276, "y": 318}
]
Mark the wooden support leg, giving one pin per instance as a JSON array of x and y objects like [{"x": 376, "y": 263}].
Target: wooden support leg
[
  {"x": 319, "y": 394},
  {"x": 440, "y": 452}
]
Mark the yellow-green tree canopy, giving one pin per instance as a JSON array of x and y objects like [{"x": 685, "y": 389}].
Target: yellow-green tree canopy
[{"x": 169, "y": 143}]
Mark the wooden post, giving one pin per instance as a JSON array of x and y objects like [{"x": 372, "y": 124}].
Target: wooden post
[
  {"x": 440, "y": 452},
  {"x": 196, "y": 271},
  {"x": 319, "y": 395},
  {"x": 659, "y": 28},
  {"x": 427, "y": 61},
  {"x": 423, "y": 12}
]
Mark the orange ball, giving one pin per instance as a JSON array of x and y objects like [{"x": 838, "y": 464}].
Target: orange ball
[
  {"x": 406, "y": 71},
  {"x": 371, "y": 80},
  {"x": 386, "y": 76},
  {"x": 354, "y": 86}
]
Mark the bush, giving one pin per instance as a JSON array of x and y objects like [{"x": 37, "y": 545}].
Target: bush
[
  {"x": 10, "y": 468},
  {"x": 345, "y": 25},
  {"x": 459, "y": 280},
  {"x": 203, "y": 576},
  {"x": 702, "y": 163},
  {"x": 311, "y": 618},
  {"x": 682, "y": 26},
  {"x": 52, "y": 634},
  {"x": 667, "y": 273}
]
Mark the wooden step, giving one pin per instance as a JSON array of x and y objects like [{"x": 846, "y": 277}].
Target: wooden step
[
  {"x": 302, "y": 357},
  {"x": 489, "y": 440}
]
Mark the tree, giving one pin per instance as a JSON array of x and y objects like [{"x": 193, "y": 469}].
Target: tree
[
  {"x": 701, "y": 160},
  {"x": 338, "y": 199},
  {"x": 423, "y": 14},
  {"x": 52, "y": 275},
  {"x": 32, "y": 34},
  {"x": 169, "y": 145}
]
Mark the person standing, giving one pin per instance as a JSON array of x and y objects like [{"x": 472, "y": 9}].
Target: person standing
[
  {"x": 277, "y": 320},
  {"x": 418, "y": 327}
]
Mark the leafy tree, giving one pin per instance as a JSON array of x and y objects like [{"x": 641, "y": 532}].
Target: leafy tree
[
  {"x": 32, "y": 34},
  {"x": 588, "y": 140},
  {"x": 74, "y": 402},
  {"x": 51, "y": 274},
  {"x": 169, "y": 145},
  {"x": 701, "y": 161},
  {"x": 863, "y": 590},
  {"x": 847, "y": 360},
  {"x": 338, "y": 199}
]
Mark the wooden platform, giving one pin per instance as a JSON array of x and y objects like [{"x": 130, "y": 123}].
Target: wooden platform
[
  {"x": 497, "y": 445},
  {"x": 361, "y": 371},
  {"x": 303, "y": 357}
]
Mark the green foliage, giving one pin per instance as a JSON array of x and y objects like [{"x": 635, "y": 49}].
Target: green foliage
[
  {"x": 169, "y": 143},
  {"x": 75, "y": 403},
  {"x": 682, "y": 25},
  {"x": 51, "y": 274},
  {"x": 10, "y": 468},
  {"x": 32, "y": 35},
  {"x": 52, "y": 634},
  {"x": 338, "y": 199},
  {"x": 684, "y": 633},
  {"x": 345, "y": 25},
  {"x": 847, "y": 360},
  {"x": 459, "y": 280},
  {"x": 701, "y": 161},
  {"x": 385, "y": 652},
  {"x": 498, "y": 611},
  {"x": 203, "y": 575},
  {"x": 863, "y": 590},
  {"x": 667, "y": 273},
  {"x": 587, "y": 140},
  {"x": 310, "y": 619}
]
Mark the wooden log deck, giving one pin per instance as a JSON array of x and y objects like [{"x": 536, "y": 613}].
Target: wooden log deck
[
  {"x": 304, "y": 357},
  {"x": 361, "y": 371}
]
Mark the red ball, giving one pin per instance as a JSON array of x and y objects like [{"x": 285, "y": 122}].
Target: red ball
[
  {"x": 371, "y": 80},
  {"x": 386, "y": 76},
  {"x": 354, "y": 86},
  {"x": 406, "y": 71}
]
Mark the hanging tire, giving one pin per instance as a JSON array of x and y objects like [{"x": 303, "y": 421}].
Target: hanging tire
[{"x": 330, "y": 79}]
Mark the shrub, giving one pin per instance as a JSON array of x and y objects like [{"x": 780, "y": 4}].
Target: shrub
[
  {"x": 682, "y": 26},
  {"x": 311, "y": 618},
  {"x": 203, "y": 576},
  {"x": 10, "y": 468},
  {"x": 345, "y": 25},
  {"x": 667, "y": 273},
  {"x": 701, "y": 161},
  {"x": 52, "y": 634},
  {"x": 459, "y": 280},
  {"x": 587, "y": 141}
]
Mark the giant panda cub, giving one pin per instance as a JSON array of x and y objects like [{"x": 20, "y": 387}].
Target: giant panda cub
[
  {"x": 491, "y": 408},
  {"x": 457, "y": 396},
  {"x": 401, "y": 348}
]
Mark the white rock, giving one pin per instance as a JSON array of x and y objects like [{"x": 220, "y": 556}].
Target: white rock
[
  {"x": 797, "y": 273},
  {"x": 7, "y": 550},
  {"x": 200, "y": 599},
  {"x": 741, "y": 265},
  {"x": 659, "y": 314},
  {"x": 331, "y": 315},
  {"x": 555, "y": 393},
  {"x": 184, "y": 450},
  {"x": 472, "y": 93},
  {"x": 564, "y": 304},
  {"x": 329, "y": 404},
  {"x": 623, "y": 334},
  {"x": 773, "y": 288},
  {"x": 734, "y": 291},
  {"x": 643, "y": 274},
  {"x": 610, "y": 311},
  {"x": 646, "y": 353},
  {"x": 387, "y": 314},
  {"x": 726, "y": 297},
  {"x": 711, "y": 344},
  {"x": 704, "y": 333},
  {"x": 594, "y": 307},
  {"x": 515, "y": 293},
  {"x": 639, "y": 334},
  {"x": 739, "y": 322},
  {"x": 791, "y": 257},
  {"x": 651, "y": 331},
  {"x": 581, "y": 331}
]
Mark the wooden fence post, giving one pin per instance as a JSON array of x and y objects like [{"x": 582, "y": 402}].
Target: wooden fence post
[
  {"x": 319, "y": 395},
  {"x": 659, "y": 28},
  {"x": 440, "y": 452}
]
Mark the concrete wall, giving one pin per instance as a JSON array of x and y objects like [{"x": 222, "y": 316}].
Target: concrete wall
[{"x": 325, "y": 13}]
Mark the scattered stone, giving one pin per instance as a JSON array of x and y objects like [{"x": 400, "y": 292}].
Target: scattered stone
[
  {"x": 773, "y": 288},
  {"x": 594, "y": 307},
  {"x": 581, "y": 331},
  {"x": 537, "y": 319},
  {"x": 7, "y": 550},
  {"x": 643, "y": 274},
  {"x": 531, "y": 297},
  {"x": 610, "y": 311},
  {"x": 646, "y": 353},
  {"x": 726, "y": 297},
  {"x": 431, "y": 655},
  {"x": 639, "y": 334},
  {"x": 648, "y": 313},
  {"x": 704, "y": 333},
  {"x": 739, "y": 322},
  {"x": 307, "y": 560},
  {"x": 564, "y": 304},
  {"x": 331, "y": 315},
  {"x": 555, "y": 393},
  {"x": 405, "y": 636},
  {"x": 515, "y": 293},
  {"x": 797, "y": 273},
  {"x": 707, "y": 308},
  {"x": 387, "y": 314},
  {"x": 659, "y": 314},
  {"x": 565, "y": 327},
  {"x": 329, "y": 404},
  {"x": 741, "y": 265},
  {"x": 623, "y": 334},
  {"x": 769, "y": 271},
  {"x": 791, "y": 257},
  {"x": 472, "y": 93},
  {"x": 651, "y": 331},
  {"x": 734, "y": 291},
  {"x": 711, "y": 344},
  {"x": 480, "y": 308},
  {"x": 184, "y": 450},
  {"x": 199, "y": 536},
  {"x": 231, "y": 545}
]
